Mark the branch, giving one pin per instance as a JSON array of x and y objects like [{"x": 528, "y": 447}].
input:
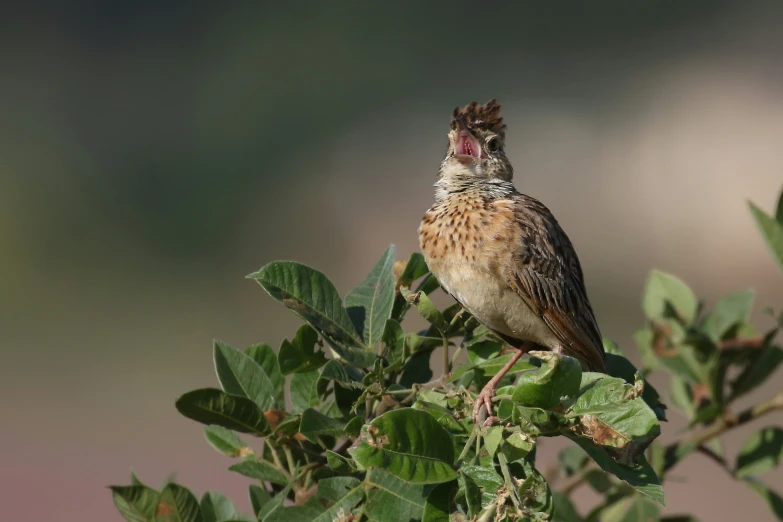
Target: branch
[
  {"x": 746, "y": 343},
  {"x": 724, "y": 424}
]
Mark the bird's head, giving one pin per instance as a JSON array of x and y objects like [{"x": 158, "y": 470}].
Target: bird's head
[{"x": 476, "y": 144}]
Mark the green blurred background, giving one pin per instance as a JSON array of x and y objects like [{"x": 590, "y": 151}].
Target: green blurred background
[{"x": 152, "y": 154}]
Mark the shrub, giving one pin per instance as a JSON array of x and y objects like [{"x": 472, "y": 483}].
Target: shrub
[{"x": 356, "y": 425}]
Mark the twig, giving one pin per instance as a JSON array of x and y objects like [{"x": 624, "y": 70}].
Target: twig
[
  {"x": 707, "y": 452},
  {"x": 726, "y": 423},
  {"x": 747, "y": 343}
]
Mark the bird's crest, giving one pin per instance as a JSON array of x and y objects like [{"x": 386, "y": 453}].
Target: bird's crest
[{"x": 482, "y": 117}]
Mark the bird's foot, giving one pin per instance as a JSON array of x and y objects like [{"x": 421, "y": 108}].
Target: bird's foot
[{"x": 482, "y": 408}]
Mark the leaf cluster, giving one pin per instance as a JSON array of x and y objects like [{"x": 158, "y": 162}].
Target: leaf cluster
[{"x": 348, "y": 421}]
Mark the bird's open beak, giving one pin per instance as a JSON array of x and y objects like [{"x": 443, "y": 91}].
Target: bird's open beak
[{"x": 466, "y": 147}]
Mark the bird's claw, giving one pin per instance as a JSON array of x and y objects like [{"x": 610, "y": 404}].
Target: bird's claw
[{"x": 482, "y": 408}]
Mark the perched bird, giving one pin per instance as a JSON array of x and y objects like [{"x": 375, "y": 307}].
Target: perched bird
[{"x": 502, "y": 255}]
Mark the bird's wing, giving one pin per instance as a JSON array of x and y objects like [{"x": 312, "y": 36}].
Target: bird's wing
[{"x": 545, "y": 272}]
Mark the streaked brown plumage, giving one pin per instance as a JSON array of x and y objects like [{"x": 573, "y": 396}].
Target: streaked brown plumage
[{"x": 502, "y": 254}]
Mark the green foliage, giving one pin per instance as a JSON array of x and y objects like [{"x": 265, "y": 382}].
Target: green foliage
[{"x": 366, "y": 431}]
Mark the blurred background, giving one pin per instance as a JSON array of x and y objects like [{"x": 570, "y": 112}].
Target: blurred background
[{"x": 152, "y": 155}]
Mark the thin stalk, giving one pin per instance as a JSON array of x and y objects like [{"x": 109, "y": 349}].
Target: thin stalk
[
  {"x": 289, "y": 457},
  {"x": 512, "y": 490},
  {"x": 446, "y": 360},
  {"x": 275, "y": 458},
  {"x": 467, "y": 446}
]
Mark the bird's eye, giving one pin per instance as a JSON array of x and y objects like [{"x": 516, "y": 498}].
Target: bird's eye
[{"x": 493, "y": 145}]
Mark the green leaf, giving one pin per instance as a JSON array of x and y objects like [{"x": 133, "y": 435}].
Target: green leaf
[
  {"x": 240, "y": 375},
  {"x": 340, "y": 494},
  {"x": 598, "y": 480},
  {"x": 259, "y": 496},
  {"x": 314, "y": 424},
  {"x": 135, "y": 503},
  {"x": 564, "y": 509},
  {"x": 418, "y": 343},
  {"x": 492, "y": 366},
  {"x": 641, "y": 476},
  {"x": 771, "y": 230},
  {"x": 347, "y": 376},
  {"x": 619, "y": 366},
  {"x": 310, "y": 295},
  {"x": 472, "y": 494},
  {"x": 485, "y": 350},
  {"x": 177, "y": 504},
  {"x": 773, "y": 499},
  {"x": 416, "y": 370},
  {"x": 394, "y": 339},
  {"x": 631, "y": 509},
  {"x": 558, "y": 377},
  {"x": 493, "y": 439},
  {"x": 680, "y": 395},
  {"x": 779, "y": 209},
  {"x": 414, "y": 269},
  {"x": 666, "y": 296},
  {"x": 517, "y": 446},
  {"x": 534, "y": 491},
  {"x": 392, "y": 500},
  {"x": 425, "y": 307},
  {"x": 727, "y": 313},
  {"x": 217, "y": 508},
  {"x": 444, "y": 416},
  {"x": 370, "y": 304},
  {"x": 486, "y": 479},
  {"x": 306, "y": 390},
  {"x": 354, "y": 427},
  {"x": 268, "y": 511},
  {"x": 226, "y": 441},
  {"x": 762, "y": 452},
  {"x": 684, "y": 362},
  {"x": 299, "y": 355},
  {"x": 212, "y": 406},
  {"x": 408, "y": 443},
  {"x": 612, "y": 414},
  {"x": 265, "y": 357},
  {"x": 763, "y": 363},
  {"x": 438, "y": 507},
  {"x": 339, "y": 463},
  {"x": 260, "y": 470}
]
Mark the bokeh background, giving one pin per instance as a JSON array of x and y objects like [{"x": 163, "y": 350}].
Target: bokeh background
[{"x": 152, "y": 154}]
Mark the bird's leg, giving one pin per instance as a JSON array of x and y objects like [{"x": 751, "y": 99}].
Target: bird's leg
[{"x": 482, "y": 408}]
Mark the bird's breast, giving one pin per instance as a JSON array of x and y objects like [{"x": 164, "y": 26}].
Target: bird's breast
[{"x": 467, "y": 246}]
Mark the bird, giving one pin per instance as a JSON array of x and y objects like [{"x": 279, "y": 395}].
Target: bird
[{"x": 502, "y": 255}]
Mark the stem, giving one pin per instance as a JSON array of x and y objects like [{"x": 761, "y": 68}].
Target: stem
[
  {"x": 446, "y": 360},
  {"x": 489, "y": 512},
  {"x": 467, "y": 446},
  {"x": 512, "y": 490},
  {"x": 305, "y": 470},
  {"x": 726, "y": 423},
  {"x": 308, "y": 479},
  {"x": 289, "y": 457},
  {"x": 275, "y": 458},
  {"x": 747, "y": 343}
]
